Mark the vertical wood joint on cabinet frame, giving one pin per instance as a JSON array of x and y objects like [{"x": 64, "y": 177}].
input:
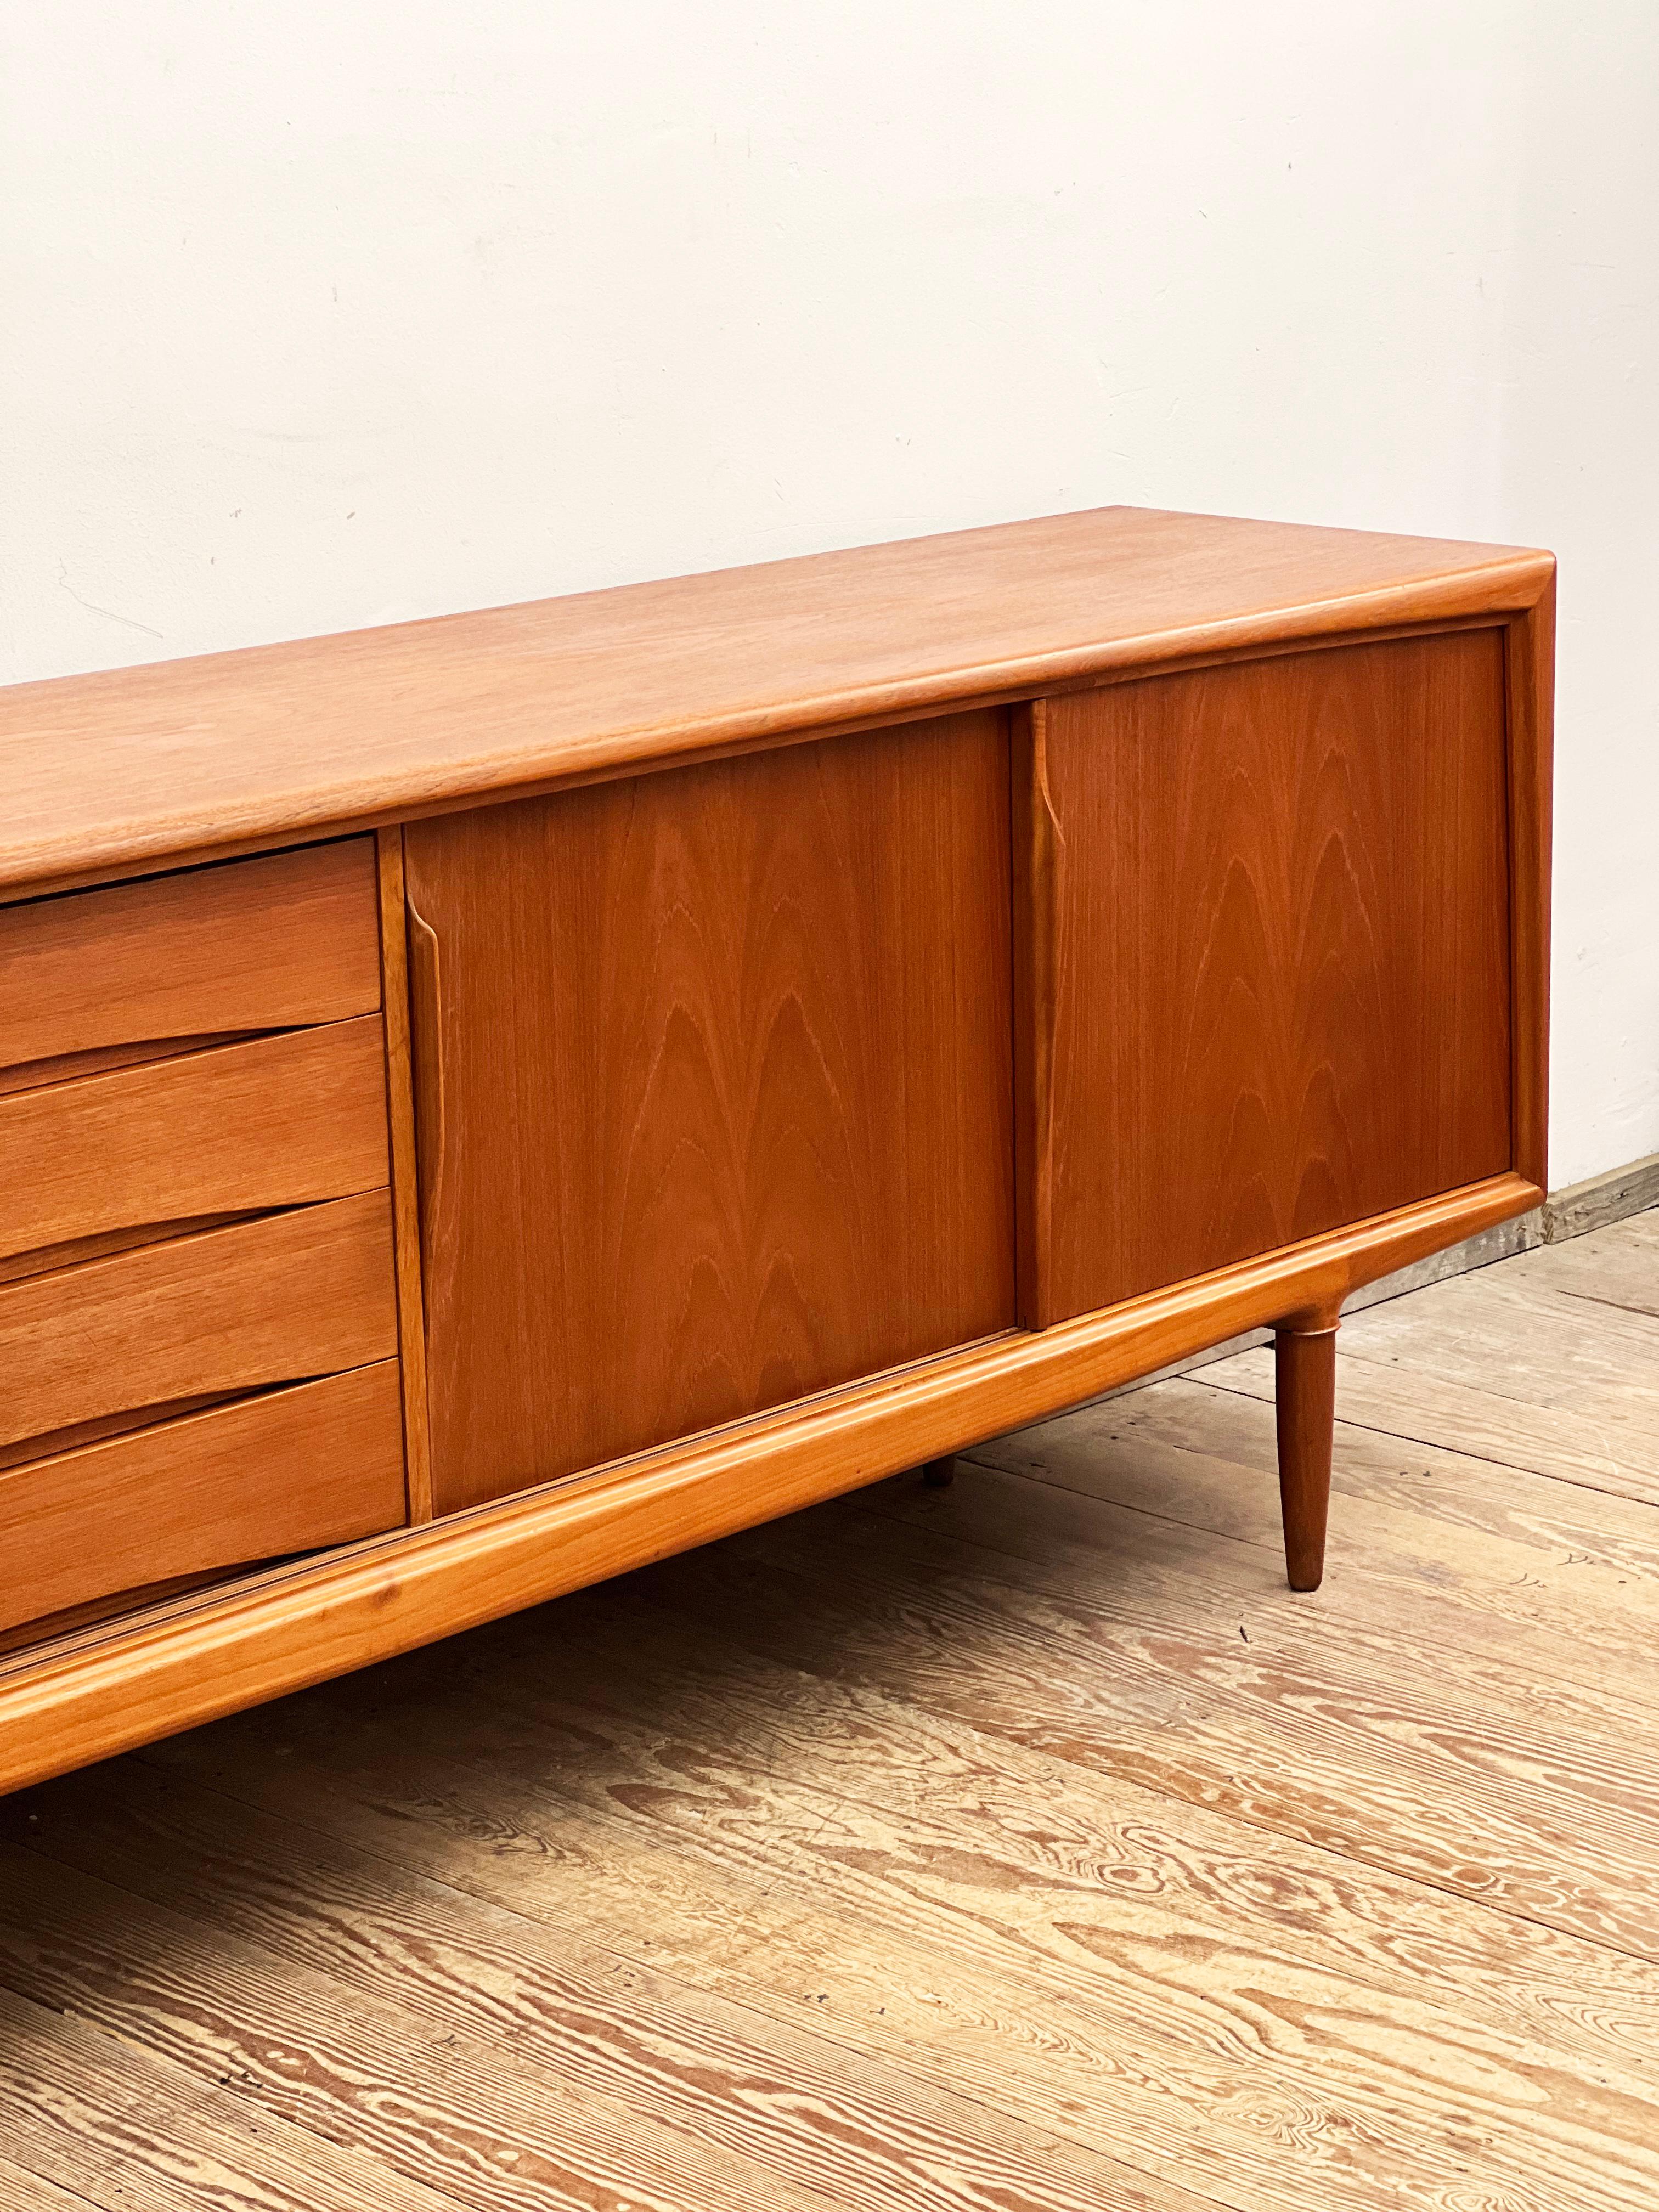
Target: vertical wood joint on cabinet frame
[
  {"x": 1037, "y": 842},
  {"x": 400, "y": 1108}
]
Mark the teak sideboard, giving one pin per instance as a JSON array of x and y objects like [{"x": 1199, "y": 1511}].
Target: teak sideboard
[{"x": 491, "y": 1101}]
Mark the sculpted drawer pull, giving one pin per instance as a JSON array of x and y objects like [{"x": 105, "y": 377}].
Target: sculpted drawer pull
[{"x": 426, "y": 996}]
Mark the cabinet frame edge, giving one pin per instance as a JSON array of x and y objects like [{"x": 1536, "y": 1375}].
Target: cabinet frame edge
[
  {"x": 1035, "y": 912},
  {"x": 405, "y": 1205},
  {"x": 1530, "y": 729}
]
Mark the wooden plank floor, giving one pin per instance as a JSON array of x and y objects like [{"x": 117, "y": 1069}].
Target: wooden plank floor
[{"x": 1023, "y": 1847}]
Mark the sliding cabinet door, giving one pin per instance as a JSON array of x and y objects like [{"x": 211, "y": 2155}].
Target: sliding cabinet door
[
  {"x": 1263, "y": 957},
  {"x": 713, "y": 1071}
]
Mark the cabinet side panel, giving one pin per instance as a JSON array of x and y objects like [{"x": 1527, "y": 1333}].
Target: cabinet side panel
[
  {"x": 1281, "y": 996},
  {"x": 1531, "y": 639},
  {"x": 723, "y": 1062}
]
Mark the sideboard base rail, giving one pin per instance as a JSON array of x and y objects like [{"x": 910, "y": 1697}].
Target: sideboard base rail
[{"x": 108, "y": 1690}]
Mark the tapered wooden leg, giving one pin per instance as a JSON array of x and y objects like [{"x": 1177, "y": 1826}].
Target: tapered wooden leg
[
  {"x": 938, "y": 1472},
  {"x": 1305, "y": 1378}
]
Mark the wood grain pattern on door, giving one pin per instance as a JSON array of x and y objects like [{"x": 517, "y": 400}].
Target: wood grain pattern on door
[
  {"x": 1262, "y": 958},
  {"x": 713, "y": 1072}
]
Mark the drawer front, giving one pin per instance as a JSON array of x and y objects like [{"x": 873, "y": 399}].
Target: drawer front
[
  {"x": 289, "y": 1471},
  {"x": 288, "y": 1296},
  {"x": 275, "y": 943},
  {"x": 277, "y": 1122}
]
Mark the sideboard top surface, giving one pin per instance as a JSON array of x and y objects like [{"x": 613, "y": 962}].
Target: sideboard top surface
[{"x": 132, "y": 768}]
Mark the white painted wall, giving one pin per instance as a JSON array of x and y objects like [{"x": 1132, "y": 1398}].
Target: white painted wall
[{"x": 321, "y": 315}]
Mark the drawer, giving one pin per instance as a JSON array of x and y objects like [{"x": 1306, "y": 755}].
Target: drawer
[
  {"x": 274, "y": 943},
  {"x": 279, "y": 1120},
  {"x": 290, "y": 1471},
  {"x": 274, "y": 1300}
]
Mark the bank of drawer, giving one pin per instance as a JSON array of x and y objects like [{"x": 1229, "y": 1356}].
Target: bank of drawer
[
  {"x": 274, "y": 943},
  {"x": 291, "y": 1471},
  {"x": 287, "y": 1296},
  {"x": 279, "y": 1120}
]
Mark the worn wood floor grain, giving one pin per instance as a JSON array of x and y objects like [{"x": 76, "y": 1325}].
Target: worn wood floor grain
[{"x": 1021, "y": 1847}]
